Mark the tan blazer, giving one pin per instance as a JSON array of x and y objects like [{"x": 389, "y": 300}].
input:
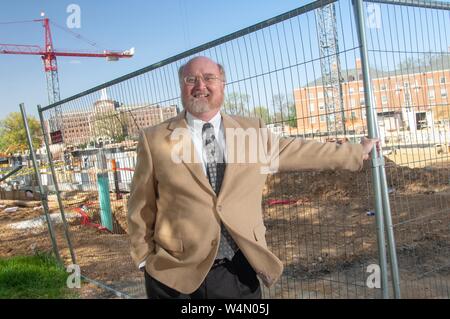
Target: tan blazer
[{"x": 174, "y": 215}]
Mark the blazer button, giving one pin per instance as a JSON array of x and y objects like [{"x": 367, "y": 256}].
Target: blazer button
[{"x": 214, "y": 242}]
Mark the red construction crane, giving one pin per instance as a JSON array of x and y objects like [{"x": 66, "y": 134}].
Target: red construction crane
[{"x": 49, "y": 54}]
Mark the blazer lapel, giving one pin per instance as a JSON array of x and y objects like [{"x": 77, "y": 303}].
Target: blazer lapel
[
  {"x": 190, "y": 159},
  {"x": 233, "y": 149}
]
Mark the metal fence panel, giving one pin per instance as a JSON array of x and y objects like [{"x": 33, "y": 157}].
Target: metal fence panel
[
  {"x": 302, "y": 82},
  {"x": 409, "y": 49}
]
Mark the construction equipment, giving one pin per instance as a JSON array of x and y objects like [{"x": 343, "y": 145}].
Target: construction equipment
[
  {"x": 49, "y": 54},
  {"x": 331, "y": 68}
]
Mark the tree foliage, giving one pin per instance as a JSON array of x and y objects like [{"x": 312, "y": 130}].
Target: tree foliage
[
  {"x": 424, "y": 61},
  {"x": 111, "y": 125},
  {"x": 236, "y": 103},
  {"x": 13, "y": 138},
  {"x": 285, "y": 110},
  {"x": 263, "y": 113}
]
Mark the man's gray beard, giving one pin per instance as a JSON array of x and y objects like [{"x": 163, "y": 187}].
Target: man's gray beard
[{"x": 199, "y": 106}]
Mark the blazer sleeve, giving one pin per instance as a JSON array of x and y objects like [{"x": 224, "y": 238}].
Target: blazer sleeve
[
  {"x": 291, "y": 154},
  {"x": 142, "y": 204}
]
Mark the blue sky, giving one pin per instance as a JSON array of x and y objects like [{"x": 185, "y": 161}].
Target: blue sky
[{"x": 157, "y": 30}]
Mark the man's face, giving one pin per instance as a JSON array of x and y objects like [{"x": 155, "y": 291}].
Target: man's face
[{"x": 202, "y": 97}]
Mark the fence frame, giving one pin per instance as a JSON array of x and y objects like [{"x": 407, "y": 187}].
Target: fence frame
[
  {"x": 382, "y": 206},
  {"x": 380, "y": 187},
  {"x": 43, "y": 194}
]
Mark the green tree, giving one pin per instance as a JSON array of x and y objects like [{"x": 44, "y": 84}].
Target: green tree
[
  {"x": 425, "y": 61},
  {"x": 263, "y": 113},
  {"x": 13, "y": 138},
  {"x": 236, "y": 103},
  {"x": 285, "y": 110},
  {"x": 410, "y": 63},
  {"x": 111, "y": 125}
]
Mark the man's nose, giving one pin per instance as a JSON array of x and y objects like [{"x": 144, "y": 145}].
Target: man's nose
[{"x": 199, "y": 83}]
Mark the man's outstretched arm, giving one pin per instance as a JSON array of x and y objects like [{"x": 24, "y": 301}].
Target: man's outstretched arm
[{"x": 300, "y": 154}]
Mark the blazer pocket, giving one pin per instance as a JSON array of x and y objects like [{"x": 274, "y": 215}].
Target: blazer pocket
[
  {"x": 169, "y": 243},
  {"x": 260, "y": 233}
]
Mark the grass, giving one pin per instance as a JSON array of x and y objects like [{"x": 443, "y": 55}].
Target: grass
[{"x": 33, "y": 277}]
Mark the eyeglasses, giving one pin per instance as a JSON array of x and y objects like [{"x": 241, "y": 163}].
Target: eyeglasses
[{"x": 208, "y": 79}]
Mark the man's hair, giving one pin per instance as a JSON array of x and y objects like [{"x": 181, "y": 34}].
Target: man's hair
[{"x": 181, "y": 68}]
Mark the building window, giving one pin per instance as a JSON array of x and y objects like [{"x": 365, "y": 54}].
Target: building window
[
  {"x": 311, "y": 95},
  {"x": 351, "y": 90},
  {"x": 384, "y": 99},
  {"x": 311, "y": 107},
  {"x": 320, "y": 95},
  {"x": 322, "y": 118},
  {"x": 430, "y": 81},
  {"x": 332, "y": 118},
  {"x": 353, "y": 115},
  {"x": 442, "y": 80},
  {"x": 408, "y": 99},
  {"x": 321, "y": 106},
  {"x": 444, "y": 93},
  {"x": 431, "y": 94},
  {"x": 406, "y": 84},
  {"x": 362, "y": 102},
  {"x": 312, "y": 120},
  {"x": 361, "y": 89},
  {"x": 383, "y": 87}
]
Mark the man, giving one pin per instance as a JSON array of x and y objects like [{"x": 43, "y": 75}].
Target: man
[{"x": 194, "y": 214}]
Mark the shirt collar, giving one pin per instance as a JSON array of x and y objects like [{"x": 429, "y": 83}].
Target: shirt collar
[{"x": 197, "y": 125}]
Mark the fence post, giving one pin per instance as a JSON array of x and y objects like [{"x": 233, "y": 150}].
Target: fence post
[
  {"x": 116, "y": 179},
  {"x": 103, "y": 190},
  {"x": 44, "y": 198},
  {"x": 383, "y": 210},
  {"x": 55, "y": 183},
  {"x": 376, "y": 159}
]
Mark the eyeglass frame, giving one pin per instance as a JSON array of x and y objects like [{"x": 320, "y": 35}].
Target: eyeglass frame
[{"x": 215, "y": 79}]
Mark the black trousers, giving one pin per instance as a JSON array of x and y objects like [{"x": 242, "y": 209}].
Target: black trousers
[{"x": 233, "y": 279}]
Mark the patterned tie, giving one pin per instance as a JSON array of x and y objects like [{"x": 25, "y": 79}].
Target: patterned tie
[{"x": 215, "y": 169}]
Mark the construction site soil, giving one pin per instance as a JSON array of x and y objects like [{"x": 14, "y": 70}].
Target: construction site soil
[{"x": 319, "y": 223}]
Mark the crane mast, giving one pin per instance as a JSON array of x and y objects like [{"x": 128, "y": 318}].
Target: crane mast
[
  {"x": 331, "y": 68},
  {"x": 48, "y": 55}
]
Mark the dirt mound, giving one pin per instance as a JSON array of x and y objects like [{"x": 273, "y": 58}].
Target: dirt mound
[{"x": 341, "y": 185}]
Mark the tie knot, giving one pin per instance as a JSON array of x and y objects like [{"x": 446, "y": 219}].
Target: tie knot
[
  {"x": 208, "y": 133},
  {"x": 207, "y": 127}
]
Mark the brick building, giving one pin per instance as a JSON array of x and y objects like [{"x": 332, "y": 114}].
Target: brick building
[
  {"x": 110, "y": 120},
  {"x": 411, "y": 98}
]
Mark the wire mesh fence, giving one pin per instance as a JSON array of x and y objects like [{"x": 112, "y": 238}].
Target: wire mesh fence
[
  {"x": 410, "y": 56},
  {"x": 301, "y": 72},
  {"x": 23, "y": 226}
]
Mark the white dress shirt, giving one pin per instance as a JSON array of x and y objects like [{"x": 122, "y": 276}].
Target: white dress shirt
[{"x": 195, "y": 126}]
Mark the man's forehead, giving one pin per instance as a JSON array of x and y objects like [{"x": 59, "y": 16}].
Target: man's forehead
[{"x": 201, "y": 65}]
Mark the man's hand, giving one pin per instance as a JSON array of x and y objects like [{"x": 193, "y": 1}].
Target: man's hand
[{"x": 367, "y": 144}]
